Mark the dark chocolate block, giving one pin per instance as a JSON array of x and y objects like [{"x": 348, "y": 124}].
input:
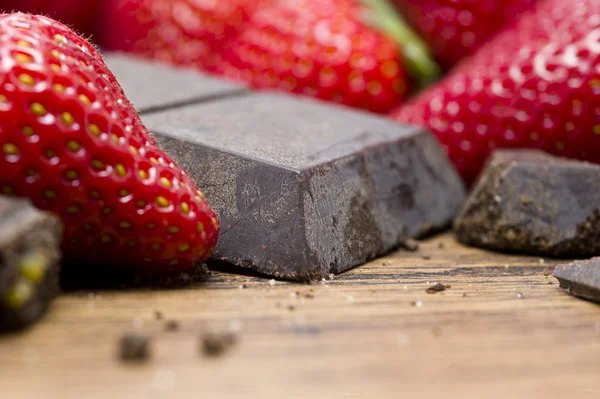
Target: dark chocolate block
[
  {"x": 150, "y": 86},
  {"x": 581, "y": 278},
  {"x": 534, "y": 203},
  {"x": 29, "y": 255},
  {"x": 304, "y": 188}
]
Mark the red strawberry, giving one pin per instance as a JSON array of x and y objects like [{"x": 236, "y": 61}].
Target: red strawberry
[
  {"x": 455, "y": 29},
  {"x": 77, "y": 14},
  {"x": 320, "y": 48},
  {"x": 182, "y": 32},
  {"x": 534, "y": 86},
  {"x": 72, "y": 142},
  {"x": 325, "y": 49}
]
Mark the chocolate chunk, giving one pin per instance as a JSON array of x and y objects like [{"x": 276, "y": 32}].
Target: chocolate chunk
[
  {"x": 29, "y": 255},
  {"x": 533, "y": 203},
  {"x": 134, "y": 348},
  {"x": 150, "y": 86},
  {"x": 581, "y": 278},
  {"x": 304, "y": 188}
]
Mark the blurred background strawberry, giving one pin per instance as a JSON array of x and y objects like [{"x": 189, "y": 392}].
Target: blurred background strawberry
[
  {"x": 455, "y": 29},
  {"x": 80, "y": 15},
  {"x": 337, "y": 50},
  {"x": 181, "y": 32},
  {"x": 536, "y": 85}
]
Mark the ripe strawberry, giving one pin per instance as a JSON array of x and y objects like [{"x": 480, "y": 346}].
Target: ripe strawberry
[
  {"x": 181, "y": 32},
  {"x": 455, "y": 29},
  {"x": 325, "y": 49},
  {"x": 77, "y": 14},
  {"x": 536, "y": 85},
  {"x": 72, "y": 142}
]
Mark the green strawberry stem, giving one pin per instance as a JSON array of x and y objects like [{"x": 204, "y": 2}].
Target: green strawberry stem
[{"x": 417, "y": 58}]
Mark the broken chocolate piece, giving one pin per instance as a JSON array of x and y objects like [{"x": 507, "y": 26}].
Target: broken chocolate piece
[
  {"x": 581, "y": 278},
  {"x": 304, "y": 188},
  {"x": 150, "y": 86},
  {"x": 134, "y": 348},
  {"x": 533, "y": 203},
  {"x": 29, "y": 255}
]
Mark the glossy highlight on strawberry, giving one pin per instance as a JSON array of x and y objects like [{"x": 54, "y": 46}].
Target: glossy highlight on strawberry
[
  {"x": 536, "y": 85},
  {"x": 72, "y": 143}
]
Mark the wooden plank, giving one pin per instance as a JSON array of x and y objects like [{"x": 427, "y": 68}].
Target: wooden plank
[{"x": 360, "y": 336}]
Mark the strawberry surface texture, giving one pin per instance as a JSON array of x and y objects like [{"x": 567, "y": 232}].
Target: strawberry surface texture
[
  {"x": 72, "y": 143},
  {"x": 536, "y": 85}
]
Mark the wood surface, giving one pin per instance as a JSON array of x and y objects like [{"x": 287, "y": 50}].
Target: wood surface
[{"x": 361, "y": 336}]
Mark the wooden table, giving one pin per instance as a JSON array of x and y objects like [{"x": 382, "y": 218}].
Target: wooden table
[{"x": 503, "y": 330}]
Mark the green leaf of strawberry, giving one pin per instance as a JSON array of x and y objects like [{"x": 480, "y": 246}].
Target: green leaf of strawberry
[{"x": 72, "y": 142}]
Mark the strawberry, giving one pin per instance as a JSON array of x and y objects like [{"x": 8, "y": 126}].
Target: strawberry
[
  {"x": 77, "y": 14},
  {"x": 181, "y": 32},
  {"x": 73, "y": 144},
  {"x": 455, "y": 29},
  {"x": 320, "y": 48},
  {"x": 326, "y": 49},
  {"x": 536, "y": 85}
]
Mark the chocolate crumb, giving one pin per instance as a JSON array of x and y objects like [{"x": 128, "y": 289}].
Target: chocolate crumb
[
  {"x": 158, "y": 315},
  {"x": 441, "y": 245},
  {"x": 291, "y": 308},
  {"x": 437, "y": 288},
  {"x": 464, "y": 294},
  {"x": 386, "y": 263},
  {"x": 309, "y": 296},
  {"x": 526, "y": 200},
  {"x": 425, "y": 257},
  {"x": 214, "y": 344},
  {"x": 411, "y": 245},
  {"x": 171, "y": 325},
  {"x": 134, "y": 348}
]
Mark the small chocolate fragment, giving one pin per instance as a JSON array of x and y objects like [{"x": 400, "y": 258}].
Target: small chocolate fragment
[
  {"x": 304, "y": 188},
  {"x": 134, "y": 348},
  {"x": 29, "y": 255},
  {"x": 215, "y": 344},
  {"x": 437, "y": 288},
  {"x": 581, "y": 278},
  {"x": 533, "y": 203}
]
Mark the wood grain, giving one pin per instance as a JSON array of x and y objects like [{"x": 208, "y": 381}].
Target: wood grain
[{"x": 361, "y": 336}]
